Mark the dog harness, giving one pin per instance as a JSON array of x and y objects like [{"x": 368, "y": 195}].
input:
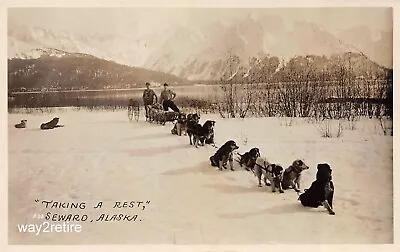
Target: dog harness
[{"x": 266, "y": 169}]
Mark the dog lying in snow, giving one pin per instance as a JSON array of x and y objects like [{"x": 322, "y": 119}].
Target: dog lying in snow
[
  {"x": 21, "y": 125},
  {"x": 224, "y": 155},
  {"x": 51, "y": 125},
  {"x": 272, "y": 174},
  {"x": 248, "y": 159},
  {"x": 292, "y": 175},
  {"x": 321, "y": 191}
]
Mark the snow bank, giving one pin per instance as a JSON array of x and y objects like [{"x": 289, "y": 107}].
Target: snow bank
[{"x": 101, "y": 156}]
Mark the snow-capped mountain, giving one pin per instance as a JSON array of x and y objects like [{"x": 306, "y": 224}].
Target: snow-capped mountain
[
  {"x": 377, "y": 45},
  {"x": 24, "y": 41},
  {"x": 202, "y": 52}
]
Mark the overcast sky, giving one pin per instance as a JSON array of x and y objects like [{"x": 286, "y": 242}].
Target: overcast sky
[{"x": 126, "y": 20}]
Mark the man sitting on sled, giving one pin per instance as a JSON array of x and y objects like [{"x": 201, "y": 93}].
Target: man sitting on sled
[{"x": 166, "y": 99}]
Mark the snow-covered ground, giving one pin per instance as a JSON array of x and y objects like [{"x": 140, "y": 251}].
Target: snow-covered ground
[{"x": 101, "y": 156}]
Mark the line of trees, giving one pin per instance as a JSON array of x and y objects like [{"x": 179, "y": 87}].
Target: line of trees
[{"x": 343, "y": 86}]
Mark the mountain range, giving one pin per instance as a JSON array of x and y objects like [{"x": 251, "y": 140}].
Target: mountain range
[
  {"x": 200, "y": 53},
  {"x": 58, "y": 70}
]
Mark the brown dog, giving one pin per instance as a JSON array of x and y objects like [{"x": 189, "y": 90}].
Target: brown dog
[
  {"x": 180, "y": 126},
  {"x": 292, "y": 175}
]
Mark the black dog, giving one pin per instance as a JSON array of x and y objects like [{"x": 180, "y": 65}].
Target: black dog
[
  {"x": 191, "y": 121},
  {"x": 321, "y": 191},
  {"x": 199, "y": 134},
  {"x": 208, "y": 128},
  {"x": 51, "y": 125},
  {"x": 224, "y": 155},
  {"x": 203, "y": 133},
  {"x": 248, "y": 159}
]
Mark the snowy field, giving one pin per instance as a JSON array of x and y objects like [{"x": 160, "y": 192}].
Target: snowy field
[{"x": 101, "y": 156}]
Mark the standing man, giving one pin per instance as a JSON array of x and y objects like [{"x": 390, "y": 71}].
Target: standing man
[
  {"x": 166, "y": 99},
  {"x": 148, "y": 98}
]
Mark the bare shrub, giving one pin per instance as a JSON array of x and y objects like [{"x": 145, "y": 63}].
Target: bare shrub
[
  {"x": 386, "y": 125},
  {"x": 286, "y": 121},
  {"x": 327, "y": 130}
]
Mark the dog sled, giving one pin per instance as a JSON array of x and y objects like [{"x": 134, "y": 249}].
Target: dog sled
[{"x": 156, "y": 114}]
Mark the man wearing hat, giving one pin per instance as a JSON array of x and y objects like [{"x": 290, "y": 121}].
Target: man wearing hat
[
  {"x": 166, "y": 99},
  {"x": 148, "y": 98}
]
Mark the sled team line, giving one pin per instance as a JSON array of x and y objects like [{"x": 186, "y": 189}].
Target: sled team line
[
  {"x": 273, "y": 175},
  {"x": 319, "y": 194}
]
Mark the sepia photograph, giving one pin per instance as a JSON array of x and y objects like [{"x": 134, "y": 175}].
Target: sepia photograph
[{"x": 191, "y": 126}]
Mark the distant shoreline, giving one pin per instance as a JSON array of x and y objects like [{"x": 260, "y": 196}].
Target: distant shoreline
[
  {"x": 171, "y": 86},
  {"x": 106, "y": 90}
]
